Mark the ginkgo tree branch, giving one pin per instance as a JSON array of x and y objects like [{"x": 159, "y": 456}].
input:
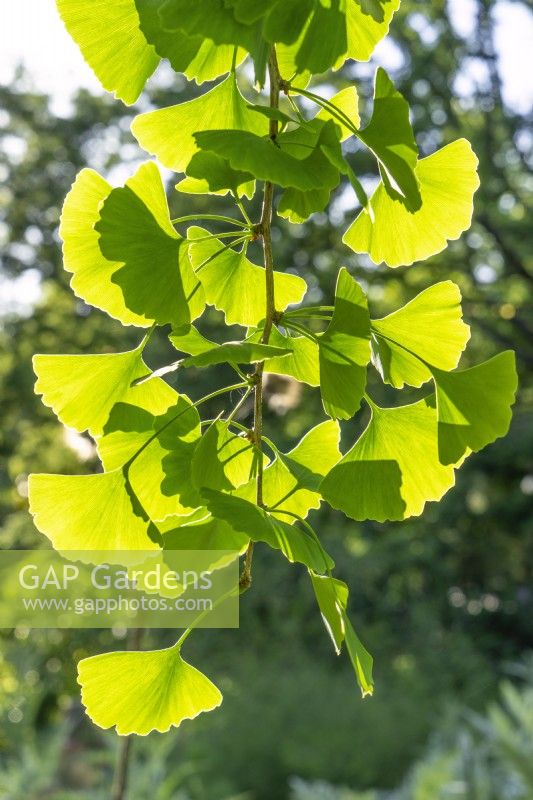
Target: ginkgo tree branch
[{"x": 265, "y": 229}]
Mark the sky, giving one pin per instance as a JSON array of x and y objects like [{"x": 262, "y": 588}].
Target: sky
[{"x": 32, "y": 33}]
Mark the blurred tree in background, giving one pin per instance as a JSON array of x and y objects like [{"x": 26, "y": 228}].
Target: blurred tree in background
[{"x": 444, "y": 601}]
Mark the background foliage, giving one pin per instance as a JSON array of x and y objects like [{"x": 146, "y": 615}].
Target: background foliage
[{"x": 445, "y": 602}]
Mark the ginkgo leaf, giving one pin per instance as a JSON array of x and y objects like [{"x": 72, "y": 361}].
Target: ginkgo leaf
[
  {"x": 91, "y": 273},
  {"x": 119, "y": 288},
  {"x": 347, "y": 101},
  {"x": 296, "y": 159},
  {"x": 139, "y": 692},
  {"x": 210, "y": 19},
  {"x": 367, "y": 24},
  {"x": 222, "y": 460},
  {"x": 260, "y": 526},
  {"x": 235, "y": 353},
  {"x": 474, "y": 405},
  {"x": 302, "y": 363},
  {"x": 236, "y": 286},
  {"x": 82, "y": 390},
  {"x": 188, "y": 339},
  {"x": 112, "y": 43},
  {"x": 203, "y": 534},
  {"x": 332, "y": 598},
  {"x": 345, "y": 350},
  {"x": 154, "y": 272},
  {"x": 390, "y": 137},
  {"x": 428, "y": 329},
  {"x": 361, "y": 659},
  {"x": 89, "y": 512},
  {"x": 399, "y": 237},
  {"x": 198, "y": 58},
  {"x": 207, "y": 173},
  {"x": 157, "y": 447},
  {"x": 169, "y": 132},
  {"x": 291, "y": 482},
  {"x": 393, "y": 469}
]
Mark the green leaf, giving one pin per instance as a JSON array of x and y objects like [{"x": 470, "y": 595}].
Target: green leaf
[
  {"x": 222, "y": 460},
  {"x": 161, "y": 446},
  {"x": 203, "y": 534},
  {"x": 169, "y": 132},
  {"x": 448, "y": 181},
  {"x": 89, "y": 512},
  {"x": 296, "y": 159},
  {"x": 393, "y": 469},
  {"x": 367, "y": 23},
  {"x": 474, "y": 405},
  {"x": 361, "y": 659},
  {"x": 345, "y": 350},
  {"x": 156, "y": 278},
  {"x": 140, "y": 692},
  {"x": 188, "y": 339},
  {"x": 245, "y": 517},
  {"x": 291, "y": 482},
  {"x": 92, "y": 273},
  {"x": 302, "y": 361},
  {"x": 325, "y": 38},
  {"x": 207, "y": 173},
  {"x": 347, "y": 101},
  {"x": 198, "y": 58},
  {"x": 332, "y": 598},
  {"x": 111, "y": 42},
  {"x": 390, "y": 137},
  {"x": 70, "y": 384},
  {"x": 430, "y": 327},
  {"x": 235, "y": 353},
  {"x": 236, "y": 286}
]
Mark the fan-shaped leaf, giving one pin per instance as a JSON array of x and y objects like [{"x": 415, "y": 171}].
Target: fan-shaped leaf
[
  {"x": 345, "y": 350},
  {"x": 260, "y": 526},
  {"x": 156, "y": 278},
  {"x": 89, "y": 512},
  {"x": 82, "y": 390},
  {"x": 169, "y": 132},
  {"x": 291, "y": 482},
  {"x": 140, "y": 692},
  {"x": 397, "y": 236},
  {"x": 393, "y": 469},
  {"x": 390, "y": 137},
  {"x": 474, "y": 405},
  {"x": 428, "y": 329},
  {"x": 235, "y": 285},
  {"x": 110, "y": 39}
]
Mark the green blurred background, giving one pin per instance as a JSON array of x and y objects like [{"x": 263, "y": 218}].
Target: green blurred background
[{"x": 445, "y": 602}]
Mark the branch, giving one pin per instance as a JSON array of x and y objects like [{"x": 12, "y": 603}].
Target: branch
[{"x": 265, "y": 227}]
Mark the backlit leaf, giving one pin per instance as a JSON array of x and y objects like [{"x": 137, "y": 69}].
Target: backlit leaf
[
  {"x": 367, "y": 24},
  {"x": 89, "y": 512},
  {"x": 474, "y": 405},
  {"x": 393, "y": 469},
  {"x": 160, "y": 447},
  {"x": 291, "y": 482},
  {"x": 296, "y": 159},
  {"x": 246, "y": 517},
  {"x": 397, "y": 236},
  {"x": 390, "y": 137},
  {"x": 109, "y": 37},
  {"x": 222, "y": 460},
  {"x": 345, "y": 350},
  {"x": 207, "y": 173},
  {"x": 332, "y": 598},
  {"x": 235, "y": 353},
  {"x": 430, "y": 327},
  {"x": 140, "y": 692},
  {"x": 154, "y": 272},
  {"x": 361, "y": 659},
  {"x": 236, "y": 286},
  {"x": 169, "y": 132},
  {"x": 82, "y": 390}
]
